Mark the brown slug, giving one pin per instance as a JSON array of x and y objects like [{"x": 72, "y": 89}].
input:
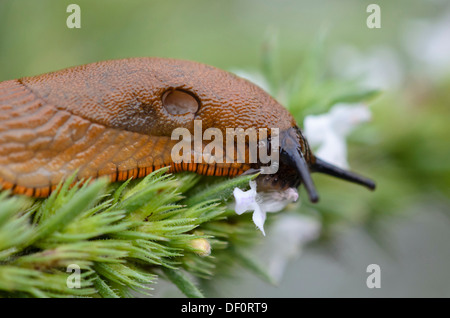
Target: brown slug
[{"x": 115, "y": 119}]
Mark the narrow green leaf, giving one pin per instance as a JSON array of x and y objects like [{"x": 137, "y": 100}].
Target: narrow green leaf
[
  {"x": 362, "y": 96},
  {"x": 104, "y": 289},
  {"x": 220, "y": 191},
  {"x": 184, "y": 284},
  {"x": 82, "y": 199}
]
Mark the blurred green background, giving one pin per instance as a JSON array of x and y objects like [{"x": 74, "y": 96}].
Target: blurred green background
[{"x": 329, "y": 52}]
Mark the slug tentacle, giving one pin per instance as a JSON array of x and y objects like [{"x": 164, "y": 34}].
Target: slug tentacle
[
  {"x": 329, "y": 169},
  {"x": 294, "y": 154}
]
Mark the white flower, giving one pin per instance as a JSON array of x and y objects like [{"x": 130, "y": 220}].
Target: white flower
[
  {"x": 329, "y": 131},
  {"x": 261, "y": 203}
]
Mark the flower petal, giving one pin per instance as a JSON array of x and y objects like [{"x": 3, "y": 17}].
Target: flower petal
[
  {"x": 245, "y": 200},
  {"x": 261, "y": 203},
  {"x": 275, "y": 201},
  {"x": 259, "y": 217}
]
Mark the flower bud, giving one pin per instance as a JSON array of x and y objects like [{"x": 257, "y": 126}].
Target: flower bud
[{"x": 201, "y": 246}]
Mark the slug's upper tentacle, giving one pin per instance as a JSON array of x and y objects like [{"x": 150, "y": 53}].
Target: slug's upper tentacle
[{"x": 329, "y": 169}]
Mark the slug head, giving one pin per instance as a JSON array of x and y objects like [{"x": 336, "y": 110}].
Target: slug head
[{"x": 297, "y": 162}]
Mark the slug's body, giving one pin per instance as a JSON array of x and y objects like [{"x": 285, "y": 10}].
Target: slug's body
[{"x": 115, "y": 119}]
